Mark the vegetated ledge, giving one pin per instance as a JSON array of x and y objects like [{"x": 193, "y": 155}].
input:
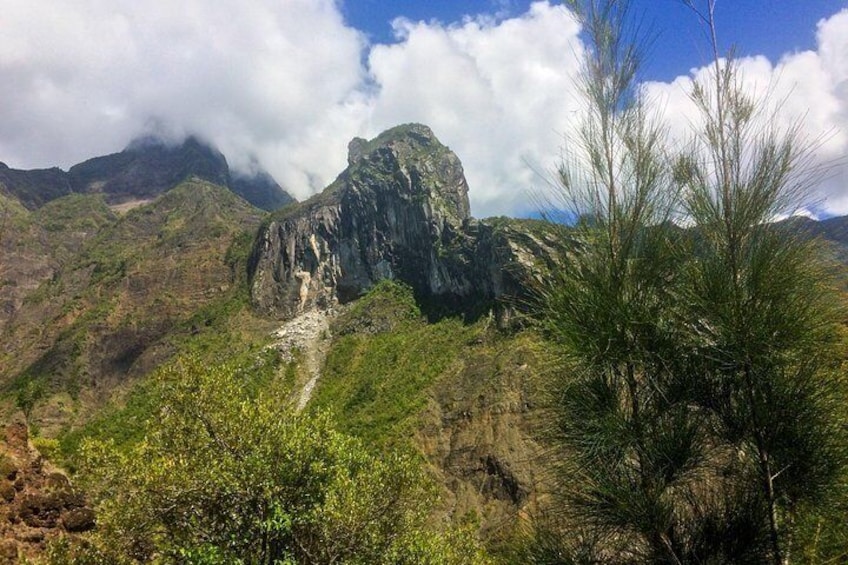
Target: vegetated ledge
[{"x": 399, "y": 211}]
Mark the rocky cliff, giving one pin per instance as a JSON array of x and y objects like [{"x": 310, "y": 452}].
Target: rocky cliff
[
  {"x": 37, "y": 503},
  {"x": 399, "y": 211}
]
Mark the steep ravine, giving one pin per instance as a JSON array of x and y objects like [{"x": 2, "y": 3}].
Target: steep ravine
[{"x": 307, "y": 339}]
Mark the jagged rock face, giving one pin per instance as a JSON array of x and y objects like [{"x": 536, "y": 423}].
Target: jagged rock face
[
  {"x": 394, "y": 213},
  {"x": 399, "y": 211},
  {"x": 37, "y": 503}
]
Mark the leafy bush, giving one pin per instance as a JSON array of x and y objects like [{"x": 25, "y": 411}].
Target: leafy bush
[{"x": 229, "y": 473}]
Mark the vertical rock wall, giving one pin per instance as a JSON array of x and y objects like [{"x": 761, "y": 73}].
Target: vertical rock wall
[{"x": 395, "y": 212}]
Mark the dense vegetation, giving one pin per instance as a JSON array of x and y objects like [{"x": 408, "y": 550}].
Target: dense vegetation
[
  {"x": 227, "y": 472},
  {"x": 703, "y": 416},
  {"x": 385, "y": 361},
  {"x": 697, "y": 399}
]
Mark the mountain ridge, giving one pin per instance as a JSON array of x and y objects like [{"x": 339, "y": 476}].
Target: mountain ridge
[
  {"x": 147, "y": 167},
  {"x": 420, "y": 346}
]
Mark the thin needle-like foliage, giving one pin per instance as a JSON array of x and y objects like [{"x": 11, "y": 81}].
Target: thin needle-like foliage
[
  {"x": 762, "y": 302},
  {"x": 634, "y": 456},
  {"x": 697, "y": 413}
]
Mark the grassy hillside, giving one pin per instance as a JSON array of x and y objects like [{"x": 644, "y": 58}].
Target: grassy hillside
[
  {"x": 467, "y": 396},
  {"x": 25, "y": 258},
  {"x": 120, "y": 294},
  {"x": 464, "y": 396},
  {"x": 106, "y": 299},
  {"x": 384, "y": 362}
]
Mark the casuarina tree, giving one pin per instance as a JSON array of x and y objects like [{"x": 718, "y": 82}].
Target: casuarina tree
[{"x": 697, "y": 418}]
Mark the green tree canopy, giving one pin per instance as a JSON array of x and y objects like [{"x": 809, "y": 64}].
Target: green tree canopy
[
  {"x": 701, "y": 417},
  {"x": 229, "y": 473}
]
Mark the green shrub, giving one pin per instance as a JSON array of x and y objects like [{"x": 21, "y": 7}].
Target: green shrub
[{"x": 229, "y": 473}]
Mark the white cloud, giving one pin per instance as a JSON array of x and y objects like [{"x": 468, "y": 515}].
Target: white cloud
[
  {"x": 809, "y": 88},
  {"x": 499, "y": 93},
  {"x": 81, "y": 78},
  {"x": 288, "y": 82}
]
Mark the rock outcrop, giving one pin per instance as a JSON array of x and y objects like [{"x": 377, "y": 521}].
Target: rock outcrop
[
  {"x": 36, "y": 502},
  {"x": 399, "y": 211}
]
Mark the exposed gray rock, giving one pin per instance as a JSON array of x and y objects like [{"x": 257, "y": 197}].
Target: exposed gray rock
[
  {"x": 399, "y": 211},
  {"x": 309, "y": 336}
]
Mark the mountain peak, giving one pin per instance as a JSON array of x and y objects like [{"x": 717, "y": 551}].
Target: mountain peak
[
  {"x": 148, "y": 166},
  {"x": 393, "y": 213},
  {"x": 415, "y": 162},
  {"x": 145, "y": 142},
  {"x": 406, "y": 138}
]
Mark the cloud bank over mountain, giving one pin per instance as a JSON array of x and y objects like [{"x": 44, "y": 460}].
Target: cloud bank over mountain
[{"x": 289, "y": 84}]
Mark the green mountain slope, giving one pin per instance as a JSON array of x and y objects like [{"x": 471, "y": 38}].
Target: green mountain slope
[
  {"x": 465, "y": 395},
  {"x": 96, "y": 298},
  {"x": 121, "y": 290}
]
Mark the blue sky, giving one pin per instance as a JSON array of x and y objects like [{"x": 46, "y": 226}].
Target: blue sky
[
  {"x": 755, "y": 27},
  {"x": 288, "y": 83}
]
